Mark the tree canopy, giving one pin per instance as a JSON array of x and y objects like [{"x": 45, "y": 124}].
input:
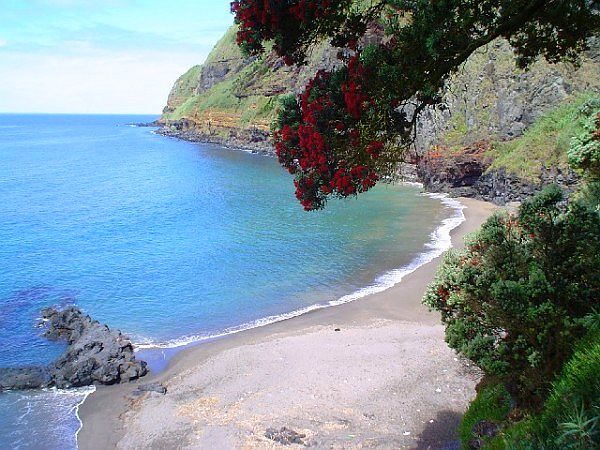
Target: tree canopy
[
  {"x": 350, "y": 127},
  {"x": 522, "y": 292}
]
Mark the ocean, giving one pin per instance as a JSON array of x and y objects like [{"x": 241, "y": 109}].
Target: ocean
[{"x": 174, "y": 243}]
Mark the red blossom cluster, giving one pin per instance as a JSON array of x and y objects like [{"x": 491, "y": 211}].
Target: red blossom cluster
[
  {"x": 353, "y": 89},
  {"x": 264, "y": 20},
  {"x": 256, "y": 19},
  {"x": 307, "y": 148},
  {"x": 374, "y": 149}
]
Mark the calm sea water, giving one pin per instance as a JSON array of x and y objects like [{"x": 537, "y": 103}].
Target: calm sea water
[{"x": 172, "y": 242}]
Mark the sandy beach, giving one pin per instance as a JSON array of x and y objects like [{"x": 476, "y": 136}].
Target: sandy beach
[{"x": 373, "y": 373}]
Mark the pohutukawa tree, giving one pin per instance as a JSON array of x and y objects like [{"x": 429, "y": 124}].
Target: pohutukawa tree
[{"x": 350, "y": 127}]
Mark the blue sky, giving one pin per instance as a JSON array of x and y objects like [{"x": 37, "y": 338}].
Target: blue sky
[{"x": 101, "y": 56}]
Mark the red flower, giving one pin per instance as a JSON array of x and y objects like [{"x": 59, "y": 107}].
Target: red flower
[{"x": 374, "y": 149}]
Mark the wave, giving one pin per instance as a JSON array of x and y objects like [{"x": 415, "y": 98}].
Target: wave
[
  {"x": 85, "y": 392},
  {"x": 46, "y": 415},
  {"x": 440, "y": 241}
]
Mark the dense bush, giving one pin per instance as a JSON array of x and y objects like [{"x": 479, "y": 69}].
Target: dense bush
[
  {"x": 584, "y": 152},
  {"x": 569, "y": 419},
  {"x": 515, "y": 300},
  {"x": 571, "y": 416}
]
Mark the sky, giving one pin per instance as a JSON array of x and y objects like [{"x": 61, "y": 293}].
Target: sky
[{"x": 102, "y": 56}]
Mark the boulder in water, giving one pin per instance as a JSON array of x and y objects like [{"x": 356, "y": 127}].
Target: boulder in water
[{"x": 95, "y": 355}]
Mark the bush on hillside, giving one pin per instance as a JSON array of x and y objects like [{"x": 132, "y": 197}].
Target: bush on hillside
[
  {"x": 514, "y": 301},
  {"x": 571, "y": 416},
  {"x": 584, "y": 153},
  {"x": 569, "y": 419}
]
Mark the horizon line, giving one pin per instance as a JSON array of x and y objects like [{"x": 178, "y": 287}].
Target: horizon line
[{"x": 81, "y": 113}]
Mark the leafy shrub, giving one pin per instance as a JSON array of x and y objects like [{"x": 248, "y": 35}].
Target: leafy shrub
[
  {"x": 584, "y": 152},
  {"x": 570, "y": 417},
  {"x": 515, "y": 300}
]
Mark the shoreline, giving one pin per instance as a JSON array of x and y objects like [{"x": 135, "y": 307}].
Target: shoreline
[
  {"x": 439, "y": 243},
  {"x": 112, "y": 414}
]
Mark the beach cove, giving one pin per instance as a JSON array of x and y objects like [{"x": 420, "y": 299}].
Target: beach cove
[
  {"x": 373, "y": 373},
  {"x": 175, "y": 243}
]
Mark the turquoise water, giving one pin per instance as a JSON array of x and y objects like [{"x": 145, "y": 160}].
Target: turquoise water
[{"x": 173, "y": 242}]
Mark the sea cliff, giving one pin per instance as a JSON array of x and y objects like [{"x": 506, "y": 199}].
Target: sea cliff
[{"x": 231, "y": 100}]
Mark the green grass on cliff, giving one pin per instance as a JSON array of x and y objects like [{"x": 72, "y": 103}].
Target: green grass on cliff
[
  {"x": 544, "y": 144},
  {"x": 237, "y": 95},
  {"x": 226, "y": 48},
  {"x": 248, "y": 94},
  {"x": 184, "y": 87}
]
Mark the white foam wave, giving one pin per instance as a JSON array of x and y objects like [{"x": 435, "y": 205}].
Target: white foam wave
[
  {"x": 84, "y": 392},
  {"x": 47, "y": 414},
  {"x": 440, "y": 241}
]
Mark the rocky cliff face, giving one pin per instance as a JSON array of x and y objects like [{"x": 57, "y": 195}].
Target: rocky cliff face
[
  {"x": 231, "y": 96},
  {"x": 466, "y": 173},
  {"x": 231, "y": 99},
  {"x": 489, "y": 98}
]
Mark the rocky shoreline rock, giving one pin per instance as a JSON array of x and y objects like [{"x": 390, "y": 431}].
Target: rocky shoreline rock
[
  {"x": 95, "y": 354},
  {"x": 251, "y": 139},
  {"x": 466, "y": 174}
]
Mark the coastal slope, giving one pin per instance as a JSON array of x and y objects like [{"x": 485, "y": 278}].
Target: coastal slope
[
  {"x": 231, "y": 99},
  {"x": 374, "y": 373}
]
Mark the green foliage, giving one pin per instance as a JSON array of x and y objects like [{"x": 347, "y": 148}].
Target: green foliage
[
  {"x": 492, "y": 403},
  {"x": 287, "y": 111},
  {"x": 546, "y": 142},
  {"x": 584, "y": 152},
  {"x": 570, "y": 417},
  {"x": 515, "y": 300},
  {"x": 589, "y": 195},
  {"x": 184, "y": 87},
  {"x": 572, "y": 413}
]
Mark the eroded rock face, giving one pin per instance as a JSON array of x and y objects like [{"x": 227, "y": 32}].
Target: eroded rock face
[
  {"x": 441, "y": 171},
  {"x": 95, "y": 355},
  {"x": 464, "y": 173}
]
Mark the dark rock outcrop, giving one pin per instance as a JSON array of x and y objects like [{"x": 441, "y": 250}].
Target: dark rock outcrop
[
  {"x": 151, "y": 387},
  {"x": 285, "y": 436},
  {"x": 253, "y": 139},
  {"x": 482, "y": 431},
  {"x": 465, "y": 173},
  {"x": 24, "y": 378},
  {"x": 442, "y": 171},
  {"x": 95, "y": 355}
]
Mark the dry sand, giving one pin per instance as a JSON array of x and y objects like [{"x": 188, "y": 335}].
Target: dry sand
[{"x": 385, "y": 380}]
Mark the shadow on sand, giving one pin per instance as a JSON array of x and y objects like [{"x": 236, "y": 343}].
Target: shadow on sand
[{"x": 442, "y": 433}]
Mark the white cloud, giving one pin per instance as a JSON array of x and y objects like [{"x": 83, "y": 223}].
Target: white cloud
[
  {"x": 3, "y": 42},
  {"x": 94, "y": 83}
]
